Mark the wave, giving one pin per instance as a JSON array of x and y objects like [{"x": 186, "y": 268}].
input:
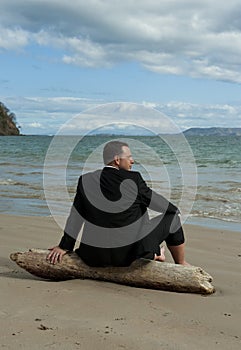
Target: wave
[
  {"x": 13, "y": 183},
  {"x": 24, "y": 164},
  {"x": 238, "y": 189},
  {"x": 26, "y": 173},
  {"x": 36, "y": 173},
  {"x": 211, "y": 198},
  {"x": 10, "y": 182},
  {"x": 25, "y": 196},
  {"x": 18, "y": 174},
  {"x": 212, "y": 190},
  {"x": 7, "y": 164},
  {"x": 218, "y": 164},
  {"x": 229, "y": 217}
]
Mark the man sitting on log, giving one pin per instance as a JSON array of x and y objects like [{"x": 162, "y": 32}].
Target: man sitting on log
[{"x": 110, "y": 208}]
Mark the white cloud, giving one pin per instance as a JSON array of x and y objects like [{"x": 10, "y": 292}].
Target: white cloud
[
  {"x": 187, "y": 115},
  {"x": 35, "y": 125},
  {"x": 13, "y": 38},
  {"x": 187, "y": 37},
  {"x": 49, "y": 112},
  {"x": 40, "y": 115}
]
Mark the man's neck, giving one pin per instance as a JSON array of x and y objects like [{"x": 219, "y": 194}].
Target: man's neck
[{"x": 111, "y": 166}]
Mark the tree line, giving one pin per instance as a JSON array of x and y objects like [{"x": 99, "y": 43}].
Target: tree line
[{"x": 8, "y": 121}]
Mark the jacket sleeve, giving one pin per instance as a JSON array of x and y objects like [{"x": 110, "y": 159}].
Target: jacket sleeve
[
  {"x": 154, "y": 200},
  {"x": 73, "y": 225}
]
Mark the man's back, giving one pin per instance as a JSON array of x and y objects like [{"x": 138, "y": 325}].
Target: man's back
[
  {"x": 110, "y": 197},
  {"x": 113, "y": 210},
  {"x": 112, "y": 205}
]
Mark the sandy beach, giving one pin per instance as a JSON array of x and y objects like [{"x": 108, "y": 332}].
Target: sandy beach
[{"x": 87, "y": 314}]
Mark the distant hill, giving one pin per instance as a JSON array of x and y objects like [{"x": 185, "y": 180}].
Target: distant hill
[
  {"x": 213, "y": 131},
  {"x": 7, "y": 122}
]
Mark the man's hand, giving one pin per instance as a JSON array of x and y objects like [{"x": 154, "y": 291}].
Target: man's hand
[
  {"x": 160, "y": 257},
  {"x": 55, "y": 255}
]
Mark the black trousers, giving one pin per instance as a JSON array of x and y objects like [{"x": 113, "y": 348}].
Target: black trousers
[{"x": 166, "y": 227}]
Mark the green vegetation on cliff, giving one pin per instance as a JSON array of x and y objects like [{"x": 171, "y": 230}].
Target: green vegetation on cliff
[{"x": 7, "y": 122}]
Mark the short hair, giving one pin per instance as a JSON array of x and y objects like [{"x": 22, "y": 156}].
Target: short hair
[{"x": 112, "y": 149}]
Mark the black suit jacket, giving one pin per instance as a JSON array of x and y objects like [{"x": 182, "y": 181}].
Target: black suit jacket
[{"x": 110, "y": 206}]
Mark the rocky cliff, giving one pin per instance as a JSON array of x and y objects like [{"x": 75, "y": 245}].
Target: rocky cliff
[{"x": 7, "y": 122}]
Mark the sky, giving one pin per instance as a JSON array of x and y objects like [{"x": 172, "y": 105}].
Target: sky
[{"x": 60, "y": 58}]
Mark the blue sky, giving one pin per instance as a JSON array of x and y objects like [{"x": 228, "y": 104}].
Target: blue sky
[{"x": 180, "y": 57}]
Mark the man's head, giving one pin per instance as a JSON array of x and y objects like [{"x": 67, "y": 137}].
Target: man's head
[{"x": 118, "y": 154}]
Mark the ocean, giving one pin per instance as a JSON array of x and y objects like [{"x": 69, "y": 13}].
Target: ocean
[{"x": 203, "y": 175}]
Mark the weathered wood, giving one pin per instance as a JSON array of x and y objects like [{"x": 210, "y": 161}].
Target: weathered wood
[{"x": 141, "y": 273}]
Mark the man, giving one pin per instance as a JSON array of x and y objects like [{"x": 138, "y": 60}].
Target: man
[{"x": 110, "y": 206}]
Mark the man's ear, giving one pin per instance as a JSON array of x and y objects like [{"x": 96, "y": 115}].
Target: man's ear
[{"x": 117, "y": 160}]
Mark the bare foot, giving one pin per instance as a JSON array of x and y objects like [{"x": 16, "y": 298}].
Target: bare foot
[{"x": 160, "y": 257}]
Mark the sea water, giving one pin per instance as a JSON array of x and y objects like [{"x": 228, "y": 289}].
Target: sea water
[{"x": 217, "y": 162}]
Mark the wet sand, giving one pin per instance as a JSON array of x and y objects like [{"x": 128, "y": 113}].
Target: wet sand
[{"x": 87, "y": 314}]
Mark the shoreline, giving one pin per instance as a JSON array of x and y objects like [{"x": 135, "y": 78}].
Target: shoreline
[
  {"x": 85, "y": 314},
  {"x": 214, "y": 223},
  {"x": 210, "y": 223}
]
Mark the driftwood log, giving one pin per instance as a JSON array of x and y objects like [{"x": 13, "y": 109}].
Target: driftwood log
[{"x": 141, "y": 273}]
